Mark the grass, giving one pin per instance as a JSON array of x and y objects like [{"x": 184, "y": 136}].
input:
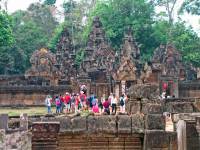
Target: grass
[{"x": 31, "y": 111}]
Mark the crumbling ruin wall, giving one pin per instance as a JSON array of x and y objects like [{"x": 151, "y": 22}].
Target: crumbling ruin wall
[
  {"x": 91, "y": 132},
  {"x": 18, "y": 138},
  {"x": 189, "y": 137},
  {"x": 28, "y": 95},
  {"x": 15, "y": 140},
  {"x": 133, "y": 132},
  {"x": 144, "y": 99},
  {"x": 190, "y": 89}
]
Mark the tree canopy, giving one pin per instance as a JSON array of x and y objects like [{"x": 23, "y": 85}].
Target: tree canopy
[
  {"x": 23, "y": 32},
  {"x": 6, "y": 35}
]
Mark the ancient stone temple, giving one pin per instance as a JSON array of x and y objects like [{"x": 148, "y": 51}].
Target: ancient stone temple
[
  {"x": 128, "y": 71},
  {"x": 95, "y": 71},
  {"x": 167, "y": 69},
  {"x": 43, "y": 66},
  {"x": 65, "y": 57},
  {"x": 171, "y": 61}
]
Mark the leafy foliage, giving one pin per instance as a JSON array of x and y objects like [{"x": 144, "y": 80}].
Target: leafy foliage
[
  {"x": 23, "y": 32},
  {"x": 32, "y": 30},
  {"x": 188, "y": 42},
  {"x": 117, "y": 15},
  {"x": 6, "y": 40},
  {"x": 191, "y": 6},
  {"x": 49, "y": 2},
  {"x": 6, "y": 35}
]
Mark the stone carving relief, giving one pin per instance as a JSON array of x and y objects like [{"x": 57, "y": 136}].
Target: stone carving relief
[
  {"x": 129, "y": 59},
  {"x": 43, "y": 62},
  {"x": 99, "y": 56}
]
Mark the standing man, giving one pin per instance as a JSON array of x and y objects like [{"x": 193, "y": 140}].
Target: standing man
[
  {"x": 114, "y": 104},
  {"x": 62, "y": 103},
  {"x": 67, "y": 102},
  {"x": 48, "y": 103},
  {"x": 122, "y": 102},
  {"x": 83, "y": 99}
]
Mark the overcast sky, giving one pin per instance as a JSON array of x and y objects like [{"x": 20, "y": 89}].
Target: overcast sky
[{"x": 14, "y": 5}]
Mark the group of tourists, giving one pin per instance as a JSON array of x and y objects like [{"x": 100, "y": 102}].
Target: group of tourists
[{"x": 74, "y": 103}]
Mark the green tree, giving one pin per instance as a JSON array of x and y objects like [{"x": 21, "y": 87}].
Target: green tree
[
  {"x": 32, "y": 30},
  {"x": 49, "y": 2},
  {"x": 74, "y": 14},
  {"x": 188, "y": 42},
  {"x": 117, "y": 15},
  {"x": 6, "y": 40},
  {"x": 6, "y": 35},
  {"x": 191, "y": 6}
]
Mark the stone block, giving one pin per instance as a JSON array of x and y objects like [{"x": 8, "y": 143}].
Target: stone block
[
  {"x": 45, "y": 127},
  {"x": 157, "y": 139},
  {"x": 124, "y": 124},
  {"x": 149, "y": 91},
  {"x": 94, "y": 124},
  {"x": 191, "y": 130},
  {"x": 4, "y": 121},
  {"x": 79, "y": 125},
  {"x": 109, "y": 125},
  {"x": 133, "y": 107},
  {"x": 65, "y": 124},
  {"x": 24, "y": 122},
  {"x": 155, "y": 122},
  {"x": 179, "y": 107},
  {"x": 150, "y": 108},
  {"x": 197, "y": 105},
  {"x": 137, "y": 123},
  {"x": 2, "y": 139}
]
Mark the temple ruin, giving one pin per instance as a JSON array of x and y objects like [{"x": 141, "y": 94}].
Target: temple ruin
[{"x": 151, "y": 123}]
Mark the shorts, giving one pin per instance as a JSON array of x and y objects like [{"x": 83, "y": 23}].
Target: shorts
[{"x": 67, "y": 106}]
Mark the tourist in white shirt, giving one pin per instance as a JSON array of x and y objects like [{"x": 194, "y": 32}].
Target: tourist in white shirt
[
  {"x": 114, "y": 104},
  {"x": 48, "y": 103}
]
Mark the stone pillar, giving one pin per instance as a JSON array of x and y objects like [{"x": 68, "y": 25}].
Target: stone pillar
[
  {"x": 4, "y": 121},
  {"x": 117, "y": 89},
  {"x": 123, "y": 83},
  {"x": 181, "y": 135},
  {"x": 198, "y": 126},
  {"x": 24, "y": 122}
]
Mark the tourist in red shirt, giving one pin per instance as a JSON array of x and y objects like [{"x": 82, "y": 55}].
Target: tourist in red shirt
[
  {"x": 67, "y": 99},
  {"x": 106, "y": 105},
  {"x": 83, "y": 99},
  {"x": 62, "y": 103}
]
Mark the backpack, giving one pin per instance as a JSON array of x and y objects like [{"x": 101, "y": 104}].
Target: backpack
[
  {"x": 57, "y": 102},
  {"x": 121, "y": 101}
]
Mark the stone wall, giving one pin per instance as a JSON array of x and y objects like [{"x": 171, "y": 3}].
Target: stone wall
[
  {"x": 189, "y": 136},
  {"x": 161, "y": 140},
  {"x": 18, "y": 138},
  {"x": 157, "y": 106},
  {"x": 191, "y": 89},
  {"x": 92, "y": 132},
  {"x": 28, "y": 95},
  {"x": 134, "y": 132}
]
